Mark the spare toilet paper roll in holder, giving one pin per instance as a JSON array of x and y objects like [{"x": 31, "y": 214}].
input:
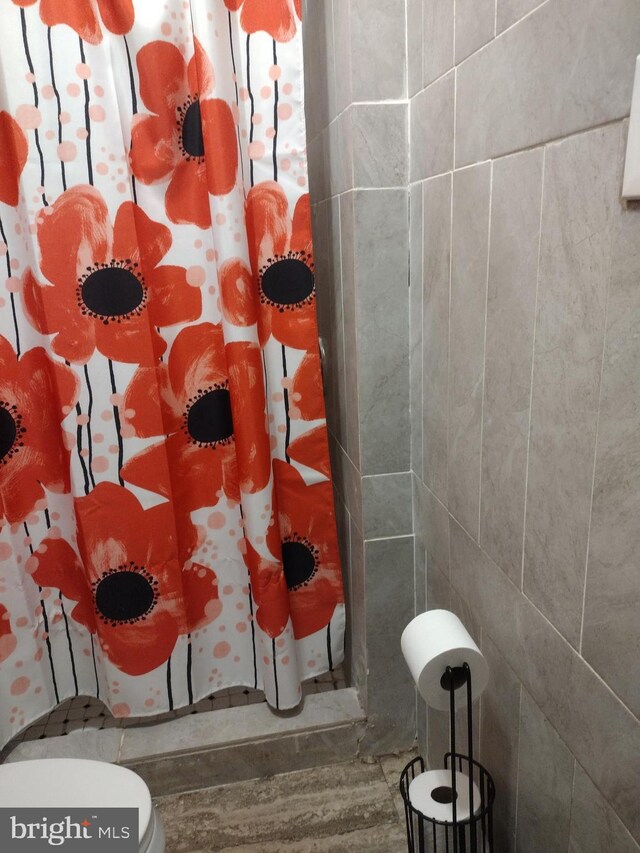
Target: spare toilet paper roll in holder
[{"x": 447, "y": 809}]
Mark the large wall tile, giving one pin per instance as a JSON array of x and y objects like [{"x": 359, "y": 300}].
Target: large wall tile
[
  {"x": 342, "y": 53},
  {"x": 545, "y": 779},
  {"x": 602, "y": 734},
  {"x": 499, "y": 735},
  {"x": 343, "y": 525},
  {"x": 326, "y": 235},
  {"x": 382, "y": 319},
  {"x": 415, "y": 323},
  {"x": 471, "y": 190},
  {"x": 419, "y": 576},
  {"x": 380, "y": 145},
  {"x": 436, "y": 274},
  {"x": 378, "y": 50},
  {"x": 318, "y": 46},
  {"x": 319, "y": 178},
  {"x": 431, "y": 526},
  {"x": 390, "y": 688},
  {"x": 511, "y": 297},
  {"x": 340, "y": 153},
  {"x": 386, "y": 505},
  {"x": 510, "y": 11},
  {"x": 347, "y": 480},
  {"x": 594, "y": 825},
  {"x": 438, "y": 38},
  {"x": 475, "y": 25},
  {"x": 611, "y": 634},
  {"x": 358, "y": 628},
  {"x": 575, "y": 248},
  {"x": 347, "y": 244},
  {"x": 415, "y": 46},
  {"x": 431, "y": 123},
  {"x": 567, "y": 67}
]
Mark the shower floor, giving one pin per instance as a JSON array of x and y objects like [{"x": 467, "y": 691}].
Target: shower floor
[{"x": 83, "y": 712}]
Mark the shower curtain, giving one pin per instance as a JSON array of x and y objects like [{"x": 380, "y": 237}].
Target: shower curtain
[{"x": 166, "y": 506}]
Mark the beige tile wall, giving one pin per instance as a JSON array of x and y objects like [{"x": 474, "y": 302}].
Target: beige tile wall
[
  {"x": 522, "y": 426},
  {"x": 357, "y": 144},
  {"x": 526, "y": 373}
]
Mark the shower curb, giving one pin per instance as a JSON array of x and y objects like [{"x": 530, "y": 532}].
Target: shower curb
[{"x": 218, "y": 747}]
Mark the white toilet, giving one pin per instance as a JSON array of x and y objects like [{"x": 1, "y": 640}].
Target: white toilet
[{"x": 80, "y": 783}]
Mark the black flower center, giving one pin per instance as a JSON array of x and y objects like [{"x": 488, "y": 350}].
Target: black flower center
[
  {"x": 299, "y": 561},
  {"x": 288, "y": 282},
  {"x": 208, "y": 420},
  {"x": 191, "y": 121},
  {"x": 11, "y": 431},
  {"x": 126, "y": 594},
  {"x": 113, "y": 291}
]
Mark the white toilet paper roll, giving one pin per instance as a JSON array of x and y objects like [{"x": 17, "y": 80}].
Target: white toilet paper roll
[
  {"x": 432, "y": 795},
  {"x": 433, "y": 641}
]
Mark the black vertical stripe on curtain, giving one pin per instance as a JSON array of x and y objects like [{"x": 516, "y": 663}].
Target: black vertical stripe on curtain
[
  {"x": 45, "y": 625},
  {"x": 27, "y": 53},
  {"x": 59, "y": 105},
  {"x": 12, "y": 298}
]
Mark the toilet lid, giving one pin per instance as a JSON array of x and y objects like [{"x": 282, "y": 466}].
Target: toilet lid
[{"x": 74, "y": 783}]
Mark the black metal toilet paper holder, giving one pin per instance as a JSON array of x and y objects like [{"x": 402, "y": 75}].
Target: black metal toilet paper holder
[{"x": 455, "y": 834}]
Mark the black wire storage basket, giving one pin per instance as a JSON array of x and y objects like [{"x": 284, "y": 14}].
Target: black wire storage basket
[
  {"x": 457, "y": 801},
  {"x": 471, "y": 835}
]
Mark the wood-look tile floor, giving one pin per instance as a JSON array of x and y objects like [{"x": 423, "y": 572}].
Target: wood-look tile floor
[{"x": 353, "y": 807}]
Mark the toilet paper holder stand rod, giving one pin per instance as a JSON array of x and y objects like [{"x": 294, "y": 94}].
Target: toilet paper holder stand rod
[{"x": 452, "y": 679}]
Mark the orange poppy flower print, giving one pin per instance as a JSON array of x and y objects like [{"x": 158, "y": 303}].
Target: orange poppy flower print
[
  {"x": 306, "y": 388},
  {"x": 281, "y": 282},
  {"x": 36, "y": 394},
  {"x": 309, "y": 549},
  {"x": 274, "y": 17},
  {"x": 311, "y": 448},
  {"x": 13, "y": 156},
  {"x": 107, "y": 289},
  {"x": 213, "y": 414},
  {"x": 80, "y": 15},
  {"x": 133, "y": 582},
  {"x": 8, "y": 640},
  {"x": 171, "y": 142},
  {"x": 269, "y": 591}
]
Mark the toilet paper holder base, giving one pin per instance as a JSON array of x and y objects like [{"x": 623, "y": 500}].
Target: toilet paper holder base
[{"x": 455, "y": 817}]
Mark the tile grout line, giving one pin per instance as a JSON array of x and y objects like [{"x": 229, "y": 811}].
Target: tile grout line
[
  {"x": 385, "y": 538},
  {"x": 453, "y": 45},
  {"x": 573, "y": 793},
  {"x": 484, "y": 346},
  {"x": 406, "y": 49},
  {"x": 621, "y": 142},
  {"x": 555, "y": 140},
  {"x": 515, "y": 820},
  {"x": 421, "y": 362},
  {"x": 453, "y": 164},
  {"x": 344, "y": 351},
  {"x": 543, "y": 144},
  {"x": 533, "y": 353}
]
